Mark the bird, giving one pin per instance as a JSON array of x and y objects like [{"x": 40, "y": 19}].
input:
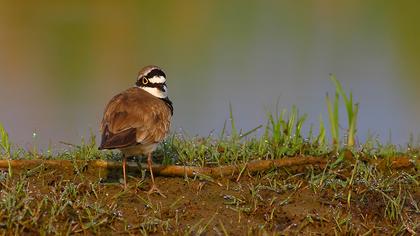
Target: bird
[{"x": 136, "y": 120}]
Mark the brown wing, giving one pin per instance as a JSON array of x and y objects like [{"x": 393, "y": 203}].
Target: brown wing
[{"x": 134, "y": 116}]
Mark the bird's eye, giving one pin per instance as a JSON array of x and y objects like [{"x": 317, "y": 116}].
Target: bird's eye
[{"x": 144, "y": 80}]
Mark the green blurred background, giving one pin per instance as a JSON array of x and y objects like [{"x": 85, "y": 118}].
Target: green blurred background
[{"x": 61, "y": 61}]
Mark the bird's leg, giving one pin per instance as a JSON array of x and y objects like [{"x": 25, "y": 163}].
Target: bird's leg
[
  {"x": 153, "y": 189},
  {"x": 125, "y": 178}
]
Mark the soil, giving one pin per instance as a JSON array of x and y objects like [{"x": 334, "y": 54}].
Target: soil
[{"x": 249, "y": 206}]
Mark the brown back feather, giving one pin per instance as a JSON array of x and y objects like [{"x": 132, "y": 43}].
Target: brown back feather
[{"x": 132, "y": 117}]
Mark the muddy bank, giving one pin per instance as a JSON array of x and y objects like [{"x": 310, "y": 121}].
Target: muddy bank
[{"x": 291, "y": 200}]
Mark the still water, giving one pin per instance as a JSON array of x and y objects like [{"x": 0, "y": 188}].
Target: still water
[{"x": 61, "y": 62}]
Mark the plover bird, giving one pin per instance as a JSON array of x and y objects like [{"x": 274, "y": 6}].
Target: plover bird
[{"x": 136, "y": 120}]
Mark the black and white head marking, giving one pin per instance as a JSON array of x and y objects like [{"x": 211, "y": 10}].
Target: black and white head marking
[{"x": 153, "y": 81}]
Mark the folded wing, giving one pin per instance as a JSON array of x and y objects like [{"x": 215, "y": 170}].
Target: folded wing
[{"x": 134, "y": 117}]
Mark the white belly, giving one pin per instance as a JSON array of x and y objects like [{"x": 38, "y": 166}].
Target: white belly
[{"x": 139, "y": 149}]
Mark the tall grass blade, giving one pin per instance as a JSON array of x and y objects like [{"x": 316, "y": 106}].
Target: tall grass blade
[
  {"x": 234, "y": 132},
  {"x": 299, "y": 124},
  {"x": 321, "y": 136},
  {"x": 250, "y": 132},
  {"x": 333, "y": 117},
  {"x": 5, "y": 146},
  {"x": 5, "y": 143},
  {"x": 351, "y": 109}
]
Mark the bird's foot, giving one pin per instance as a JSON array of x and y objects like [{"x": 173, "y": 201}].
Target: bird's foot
[{"x": 155, "y": 189}]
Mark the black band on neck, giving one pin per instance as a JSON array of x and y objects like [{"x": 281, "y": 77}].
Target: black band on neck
[{"x": 168, "y": 103}]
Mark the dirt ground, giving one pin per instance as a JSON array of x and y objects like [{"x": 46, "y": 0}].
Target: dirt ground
[{"x": 275, "y": 202}]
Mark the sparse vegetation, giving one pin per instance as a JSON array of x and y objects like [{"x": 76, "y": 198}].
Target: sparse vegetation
[{"x": 368, "y": 188}]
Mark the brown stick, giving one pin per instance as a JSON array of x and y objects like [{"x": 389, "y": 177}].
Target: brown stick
[
  {"x": 191, "y": 171},
  {"x": 174, "y": 170},
  {"x": 253, "y": 166}
]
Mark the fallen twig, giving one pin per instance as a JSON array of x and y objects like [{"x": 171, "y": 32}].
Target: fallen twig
[
  {"x": 174, "y": 170},
  {"x": 191, "y": 171}
]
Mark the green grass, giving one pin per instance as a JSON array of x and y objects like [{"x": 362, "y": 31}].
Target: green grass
[
  {"x": 5, "y": 143},
  {"x": 333, "y": 112},
  {"x": 281, "y": 136},
  {"x": 352, "y": 111},
  {"x": 5, "y": 146},
  {"x": 334, "y": 120}
]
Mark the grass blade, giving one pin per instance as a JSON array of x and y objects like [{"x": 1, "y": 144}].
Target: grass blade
[{"x": 351, "y": 109}]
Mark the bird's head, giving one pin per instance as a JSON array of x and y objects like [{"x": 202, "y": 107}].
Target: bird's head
[{"x": 152, "y": 79}]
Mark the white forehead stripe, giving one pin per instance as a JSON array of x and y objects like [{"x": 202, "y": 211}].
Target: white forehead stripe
[{"x": 157, "y": 79}]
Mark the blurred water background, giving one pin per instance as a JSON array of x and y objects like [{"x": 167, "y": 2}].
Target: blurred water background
[{"x": 61, "y": 61}]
